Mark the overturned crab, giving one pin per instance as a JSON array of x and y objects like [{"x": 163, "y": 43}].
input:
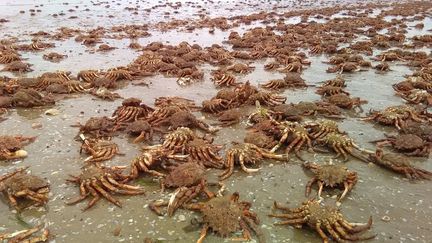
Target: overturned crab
[
  {"x": 101, "y": 182},
  {"x": 246, "y": 153},
  {"x": 296, "y": 135},
  {"x": 131, "y": 110},
  {"x": 342, "y": 145},
  {"x": 24, "y": 190},
  {"x": 324, "y": 219},
  {"x": 11, "y": 147},
  {"x": 399, "y": 164},
  {"x": 266, "y": 98},
  {"x": 99, "y": 149},
  {"x": 321, "y": 128},
  {"x": 202, "y": 150},
  {"x": 330, "y": 175}
]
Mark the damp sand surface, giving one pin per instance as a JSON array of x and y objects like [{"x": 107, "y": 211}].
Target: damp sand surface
[{"x": 55, "y": 153}]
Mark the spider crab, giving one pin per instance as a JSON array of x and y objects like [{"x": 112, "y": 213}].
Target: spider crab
[
  {"x": 399, "y": 164},
  {"x": 131, "y": 110},
  {"x": 246, "y": 153},
  {"x": 99, "y": 149},
  {"x": 324, "y": 219},
  {"x": 408, "y": 144},
  {"x": 330, "y": 175},
  {"x": 188, "y": 179},
  {"x": 19, "y": 186},
  {"x": 342, "y": 145},
  {"x": 227, "y": 215},
  {"x": 323, "y": 127},
  {"x": 394, "y": 115},
  {"x": 100, "y": 182},
  {"x": 11, "y": 147},
  {"x": 296, "y": 135}
]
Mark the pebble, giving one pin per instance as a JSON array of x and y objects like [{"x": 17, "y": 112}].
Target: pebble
[
  {"x": 385, "y": 218},
  {"x": 52, "y": 112},
  {"x": 36, "y": 125},
  {"x": 181, "y": 218}
]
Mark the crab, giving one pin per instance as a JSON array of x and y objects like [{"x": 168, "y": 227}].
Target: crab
[
  {"x": 394, "y": 116},
  {"x": 178, "y": 138},
  {"x": 344, "y": 101},
  {"x": 105, "y": 94},
  {"x": 293, "y": 67},
  {"x": 321, "y": 128},
  {"x": 246, "y": 153},
  {"x": 141, "y": 129},
  {"x": 101, "y": 182},
  {"x": 412, "y": 83},
  {"x": 336, "y": 82},
  {"x": 8, "y": 58},
  {"x": 105, "y": 47},
  {"x": 25, "y": 236},
  {"x": 19, "y": 186},
  {"x": 423, "y": 130},
  {"x": 389, "y": 56},
  {"x": 152, "y": 157},
  {"x": 382, "y": 67},
  {"x": 324, "y": 219},
  {"x": 259, "y": 114},
  {"x": 202, "y": 150},
  {"x": 131, "y": 110},
  {"x": 188, "y": 179},
  {"x": 11, "y": 147},
  {"x": 30, "y": 98},
  {"x": 347, "y": 67},
  {"x": 330, "y": 90},
  {"x": 162, "y": 113},
  {"x": 229, "y": 117},
  {"x": 221, "y": 79},
  {"x": 342, "y": 145},
  {"x": 260, "y": 139},
  {"x": 271, "y": 66},
  {"x": 116, "y": 74},
  {"x": 54, "y": 57},
  {"x": 275, "y": 84},
  {"x": 88, "y": 75},
  {"x": 417, "y": 96},
  {"x": 97, "y": 127},
  {"x": 17, "y": 66},
  {"x": 215, "y": 105},
  {"x": 266, "y": 98},
  {"x": 399, "y": 164},
  {"x": 98, "y": 149},
  {"x": 296, "y": 135},
  {"x": 227, "y": 215},
  {"x": 409, "y": 144},
  {"x": 185, "y": 119},
  {"x": 176, "y": 101},
  {"x": 67, "y": 88},
  {"x": 330, "y": 175},
  {"x": 294, "y": 80},
  {"x": 240, "y": 68}
]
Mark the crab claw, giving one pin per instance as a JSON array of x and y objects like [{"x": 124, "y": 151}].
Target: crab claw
[
  {"x": 17, "y": 154},
  {"x": 173, "y": 201}
]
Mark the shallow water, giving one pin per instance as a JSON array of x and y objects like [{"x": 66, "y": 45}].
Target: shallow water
[{"x": 55, "y": 153}]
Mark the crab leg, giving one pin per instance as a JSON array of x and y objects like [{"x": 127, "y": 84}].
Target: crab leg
[
  {"x": 95, "y": 195},
  {"x": 346, "y": 189},
  {"x": 104, "y": 193},
  {"x": 83, "y": 195},
  {"x": 230, "y": 167},
  {"x": 243, "y": 166},
  {"x": 203, "y": 233}
]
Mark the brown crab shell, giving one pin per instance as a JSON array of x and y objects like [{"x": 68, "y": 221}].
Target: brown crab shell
[
  {"x": 222, "y": 216},
  {"x": 332, "y": 175},
  {"x": 408, "y": 142},
  {"x": 23, "y": 181},
  {"x": 187, "y": 174}
]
